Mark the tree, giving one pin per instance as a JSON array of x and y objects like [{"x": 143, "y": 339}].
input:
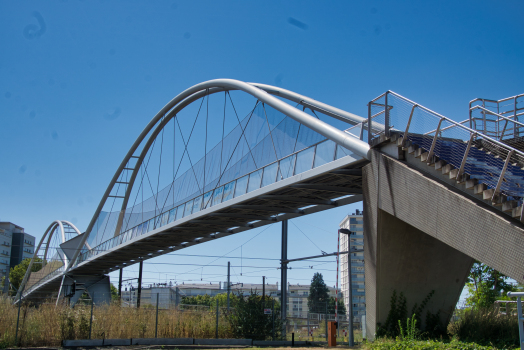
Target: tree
[
  {"x": 114, "y": 292},
  {"x": 17, "y": 273},
  {"x": 341, "y": 306},
  {"x": 210, "y": 301},
  {"x": 318, "y": 294},
  {"x": 247, "y": 319},
  {"x": 485, "y": 285}
]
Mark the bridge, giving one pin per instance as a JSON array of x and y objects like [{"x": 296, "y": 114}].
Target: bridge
[{"x": 438, "y": 194}]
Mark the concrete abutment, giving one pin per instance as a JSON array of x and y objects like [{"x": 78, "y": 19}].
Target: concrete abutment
[{"x": 422, "y": 234}]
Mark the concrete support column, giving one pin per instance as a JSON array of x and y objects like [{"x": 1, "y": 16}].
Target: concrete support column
[{"x": 403, "y": 258}]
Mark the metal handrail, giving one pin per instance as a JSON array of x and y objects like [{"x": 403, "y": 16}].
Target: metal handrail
[
  {"x": 501, "y": 144},
  {"x": 501, "y": 117},
  {"x": 496, "y": 101},
  {"x": 446, "y": 128}
]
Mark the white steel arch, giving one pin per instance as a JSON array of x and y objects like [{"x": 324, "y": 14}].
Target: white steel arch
[
  {"x": 48, "y": 232},
  {"x": 260, "y": 91}
]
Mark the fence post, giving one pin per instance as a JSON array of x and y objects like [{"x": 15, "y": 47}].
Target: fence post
[
  {"x": 273, "y": 316},
  {"x": 216, "y": 329},
  {"x": 156, "y": 322},
  {"x": 91, "y": 319},
  {"x": 325, "y": 318},
  {"x": 307, "y": 315}
]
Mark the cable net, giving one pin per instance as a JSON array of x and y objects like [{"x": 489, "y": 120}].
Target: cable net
[{"x": 265, "y": 147}]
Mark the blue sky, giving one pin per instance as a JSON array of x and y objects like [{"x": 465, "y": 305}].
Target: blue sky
[{"x": 79, "y": 80}]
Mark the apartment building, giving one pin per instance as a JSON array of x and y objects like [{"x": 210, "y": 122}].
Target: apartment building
[
  {"x": 355, "y": 223},
  {"x": 15, "y": 246}
]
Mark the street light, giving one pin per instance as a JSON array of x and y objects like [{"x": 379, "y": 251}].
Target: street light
[{"x": 350, "y": 311}]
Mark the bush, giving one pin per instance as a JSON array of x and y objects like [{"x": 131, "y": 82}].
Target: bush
[
  {"x": 247, "y": 320},
  {"x": 390, "y": 344},
  {"x": 486, "y": 326}
]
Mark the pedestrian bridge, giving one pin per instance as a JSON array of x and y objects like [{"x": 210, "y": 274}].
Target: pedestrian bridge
[{"x": 226, "y": 156}]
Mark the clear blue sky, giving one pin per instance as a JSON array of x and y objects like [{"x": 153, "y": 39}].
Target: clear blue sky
[{"x": 80, "y": 79}]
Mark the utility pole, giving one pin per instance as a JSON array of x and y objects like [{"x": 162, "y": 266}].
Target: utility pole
[
  {"x": 120, "y": 284},
  {"x": 228, "y": 282},
  {"x": 350, "y": 289},
  {"x": 264, "y": 289},
  {"x": 283, "y": 278},
  {"x": 139, "y": 293}
]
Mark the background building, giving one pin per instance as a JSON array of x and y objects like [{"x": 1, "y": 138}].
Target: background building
[
  {"x": 171, "y": 296},
  {"x": 15, "y": 246},
  {"x": 355, "y": 223}
]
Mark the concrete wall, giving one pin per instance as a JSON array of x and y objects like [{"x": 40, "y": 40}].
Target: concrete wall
[{"x": 421, "y": 233}]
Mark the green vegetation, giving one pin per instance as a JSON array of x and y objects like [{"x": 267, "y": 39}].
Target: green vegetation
[
  {"x": 49, "y": 324},
  {"x": 246, "y": 316},
  {"x": 318, "y": 295},
  {"x": 486, "y": 285},
  {"x": 17, "y": 273},
  {"x": 398, "y": 314},
  {"x": 247, "y": 319},
  {"x": 486, "y": 327},
  {"x": 390, "y": 344},
  {"x": 207, "y": 300}
]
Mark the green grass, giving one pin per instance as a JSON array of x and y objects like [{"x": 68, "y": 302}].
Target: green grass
[{"x": 390, "y": 344}]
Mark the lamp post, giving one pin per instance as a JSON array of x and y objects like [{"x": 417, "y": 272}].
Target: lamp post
[{"x": 350, "y": 290}]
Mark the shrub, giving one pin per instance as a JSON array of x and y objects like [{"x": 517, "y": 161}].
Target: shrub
[
  {"x": 486, "y": 326},
  {"x": 390, "y": 344},
  {"x": 247, "y": 320}
]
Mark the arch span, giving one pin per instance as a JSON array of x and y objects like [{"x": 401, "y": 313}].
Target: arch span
[
  {"x": 262, "y": 93},
  {"x": 56, "y": 227}
]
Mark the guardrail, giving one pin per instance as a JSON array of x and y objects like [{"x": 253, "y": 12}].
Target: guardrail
[
  {"x": 444, "y": 137},
  {"x": 482, "y": 111}
]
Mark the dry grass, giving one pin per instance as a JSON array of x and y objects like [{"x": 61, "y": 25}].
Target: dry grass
[{"x": 48, "y": 325}]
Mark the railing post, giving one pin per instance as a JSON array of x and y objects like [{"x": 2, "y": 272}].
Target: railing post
[
  {"x": 406, "y": 132},
  {"x": 386, "y": 119},
  {"x": 470, "y": 117},
  {"x": 463, "y": 164},
  {"x": 504, "y": 130},
  {"x": 432, "y": 149},
  {"x": 515, "y": 133},
  {"x": 369, "y": 123},
  {"x": 501, "y": 177}
]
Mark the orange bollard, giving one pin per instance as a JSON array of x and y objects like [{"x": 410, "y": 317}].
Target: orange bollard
[{"x": 332, "y": 333}]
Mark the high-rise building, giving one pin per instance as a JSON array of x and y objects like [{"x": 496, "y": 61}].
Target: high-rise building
[
  {"x": 15, "y": 246},
  {"x": 354, "y": 223}
]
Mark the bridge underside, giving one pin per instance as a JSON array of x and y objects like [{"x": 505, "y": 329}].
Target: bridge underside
[
  {"x": 289, "y": 201},
  {"x": 333, "y": 184},
  {"x": 423, "y": 234}
]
